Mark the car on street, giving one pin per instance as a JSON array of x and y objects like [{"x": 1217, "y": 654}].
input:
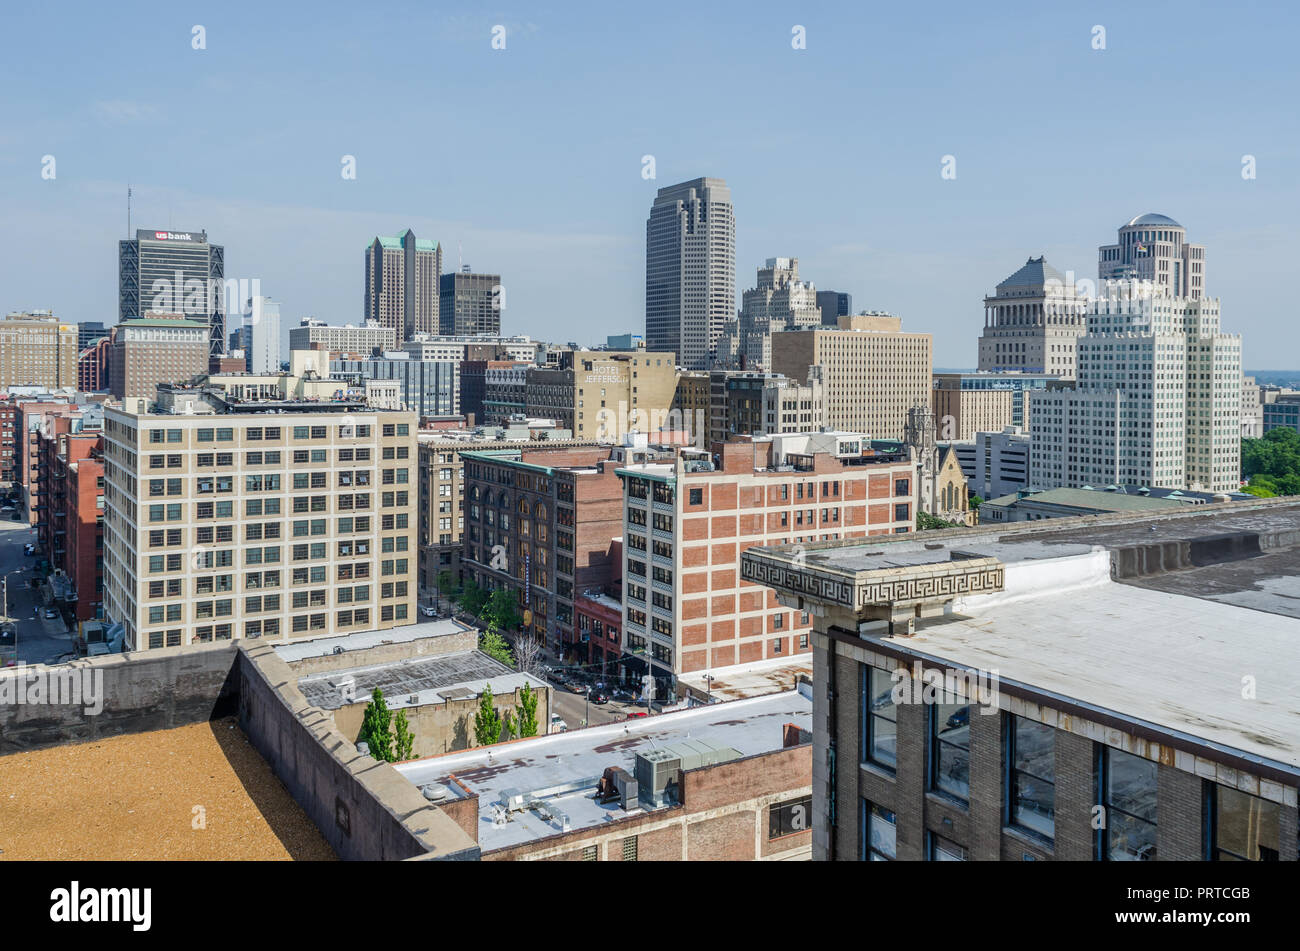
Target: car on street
[
  {"x": 428, "y": 610},
  {"x": 599, "y": 696},
  {"x": 635, "y": 714},
  {"x": 558, "y": 725},
  {"x": 51, "y": 614},
  {"x": 29, "y": 549},
  {"x": 574, "y": 687}
]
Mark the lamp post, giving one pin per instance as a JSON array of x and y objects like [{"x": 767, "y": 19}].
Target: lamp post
[{"x": 708, "y": 679}]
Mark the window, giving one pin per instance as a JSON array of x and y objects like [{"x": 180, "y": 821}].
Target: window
[
  {"x": 950, "y": 749},
  {"x": 879, "y": 719},
  {"x": 589, "y": 853},
  {"x": 942, "y": 850},
  {"x": 878, "y": 833},
  {"x": 629, "y": 849},
  {"x": 1128, "y": 796},
  {"x": 787, "y": 818},
  {"x": 1245, "y": 828},
  {"x": 1031, "y": 779}
]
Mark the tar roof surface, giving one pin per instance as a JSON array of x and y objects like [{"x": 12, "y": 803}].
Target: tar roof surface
[{"x": 563, "y": 759}]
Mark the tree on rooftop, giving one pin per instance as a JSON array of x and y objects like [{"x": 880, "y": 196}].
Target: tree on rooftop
[
  {"x": 527, "y": 711},
  {"x": 487, "y": 722},
  {"x": 376, "y": 727},
  {"x": 404, "y": 739}
]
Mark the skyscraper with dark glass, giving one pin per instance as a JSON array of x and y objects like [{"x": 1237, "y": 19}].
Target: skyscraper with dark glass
[{"x": 173, "y": 272}]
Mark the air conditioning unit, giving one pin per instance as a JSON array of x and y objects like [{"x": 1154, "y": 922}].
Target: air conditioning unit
[{"x": 656, "y": 772}]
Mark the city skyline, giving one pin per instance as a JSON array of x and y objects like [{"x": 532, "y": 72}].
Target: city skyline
[{"x": 877, "y": 222}]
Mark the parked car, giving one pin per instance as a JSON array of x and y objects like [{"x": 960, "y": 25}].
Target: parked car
[
  {"x": 558, "y": 725},
  {"x": 574, "y": 687},
  {"x": 51, "y": 613},
  {"x": 635, "y": 714},
  {"x": 599, "y": 696},
  {"x": 428, "y": 610}
]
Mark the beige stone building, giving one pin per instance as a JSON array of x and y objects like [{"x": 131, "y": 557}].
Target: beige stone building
[
  {"x": 604, "y": 394},
  {"x": 272, "y": 518},
  {"x": 961, "y": 413},
  {"x": 154, "y": 350},
  {"x": 37, "y": 350},
  {"x": 872, "y": 371}
]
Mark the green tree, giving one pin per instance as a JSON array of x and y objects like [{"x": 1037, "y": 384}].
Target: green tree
[
  {"x": 976, "y": 502},
  {"x": 527, "y": 711},
  {"x": 925, "y": 520},
  {"x": 487, "y": 722},
  {"x": 376, "y": 727},
  {"x": 502, "y": 611},
  {"x": 471, "y": 597},
  {"x": 1258, "y": 491},
  {"x": 447, "y": 584},
  {"x": 403, "y": 740},
  {"x": 493, "y": 644}
]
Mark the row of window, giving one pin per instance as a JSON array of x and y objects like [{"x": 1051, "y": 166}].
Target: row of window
[{"x": 1244, "y": 827}]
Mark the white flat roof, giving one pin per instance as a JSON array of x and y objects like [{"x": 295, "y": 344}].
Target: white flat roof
[
  {"x": 1174, "y": 661},
  {"x": 320, "y": 646},
  {"x": 571, "y": 759}
]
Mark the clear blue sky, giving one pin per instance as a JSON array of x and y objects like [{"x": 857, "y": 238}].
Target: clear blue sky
[{"x": 530, "y": 158}]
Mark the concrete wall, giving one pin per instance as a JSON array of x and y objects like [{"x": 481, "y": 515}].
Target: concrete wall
[
  {"x": 444, "y": 727},
  {"x": 143, "y": 691},
  {"x": 363, "y": 808},
  {"x": 387, "y": 653}
]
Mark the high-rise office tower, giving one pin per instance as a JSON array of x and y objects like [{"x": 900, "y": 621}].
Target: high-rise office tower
[
  {"x": 88, "y": 331},
  {"x": 173, "y": 272},
  {"x": 778, "y": 301},
  {"x": 1032, "y": 321},
  {"x": 262, "y": 318},
  {"x": 834, "y": 305},
  {"x": 1154, "y": 248},
  {"x": 470, "y": 303},
  {"x": 690, "y": 269},
  {"x": 402, "y": 275},
  {"x": 1158, "y": 400}
]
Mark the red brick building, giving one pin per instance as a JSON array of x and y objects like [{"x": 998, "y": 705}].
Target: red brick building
[
  {"x": 541, "y": 522},
  {"x": 8, "y": 444},
  {"x": 70, "y": 530},
  {"x": 688, "y": 521}
]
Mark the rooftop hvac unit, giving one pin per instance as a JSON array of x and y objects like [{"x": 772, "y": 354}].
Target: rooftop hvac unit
[{"x": 658, "y": 774}]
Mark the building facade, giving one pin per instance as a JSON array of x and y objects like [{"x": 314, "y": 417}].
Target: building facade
[
  {"x": 174, "y": 272},
  {"x": 951, "y": 722},
  {"x": 1032, "y": 321},
  {"x": 402, "y": 284},
  {"x": 1157, "y": 400},
  {"x": 274, "y": 518},
  {"x": 604, "y": 394},
  {"x": 262, "y": 321},
  {"x": 873, "y": 372},
  {"x": 70, "y": 524},
  {"x": 779, "y": 301},
  {"x": 687, "y": 521},
  {"x": 155, "y": 350},
  {"x": 690, "y": 272},
  {"x": 1154, "y": 249},
  {"x": 36, "y": 349},
  {"x": 470, "y": 303},
  {"x": 834, "y": 305},
  {"x": 428, "y": 387},
  {"x": 742, "y": 403},
  {"x": 365, "y": 340}
]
